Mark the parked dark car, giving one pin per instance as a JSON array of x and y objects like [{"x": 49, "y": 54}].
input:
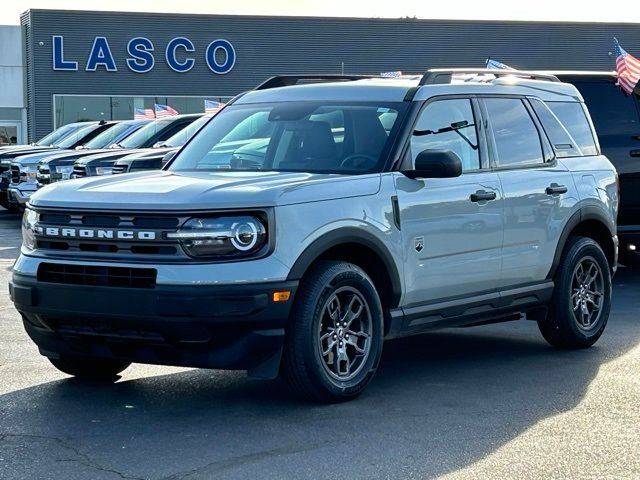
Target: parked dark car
[
  {"x": 616, "y": 117},
  {"x": 157, "y": 131}
]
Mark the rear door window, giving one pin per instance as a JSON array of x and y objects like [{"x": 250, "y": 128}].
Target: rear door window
[
  {"x": 574, "y": 119},
  {"x": 516, "y": 137}
]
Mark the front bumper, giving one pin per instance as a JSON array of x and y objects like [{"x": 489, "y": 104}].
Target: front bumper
[{"x": 221, "y": 326}]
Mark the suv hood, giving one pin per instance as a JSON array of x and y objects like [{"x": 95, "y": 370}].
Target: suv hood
[
  {"x": 163, "y": 190},
  {"x": 109, "y": 155}
]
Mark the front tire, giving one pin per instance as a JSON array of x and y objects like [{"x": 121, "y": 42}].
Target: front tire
[
  {"x": 581, "y": 300},
  {"x": 335, "y": 333},
  {"x": 90, "y": 369}
]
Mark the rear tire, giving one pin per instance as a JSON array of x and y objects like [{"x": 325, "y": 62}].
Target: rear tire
[
  {"x": 581, "y": 300},
  {"x": 335, "y": 334},
  {"x": 91, "y": 369}
]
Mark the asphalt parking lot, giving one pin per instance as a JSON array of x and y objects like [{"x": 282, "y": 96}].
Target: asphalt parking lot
[{"x": 486, "y": 402}]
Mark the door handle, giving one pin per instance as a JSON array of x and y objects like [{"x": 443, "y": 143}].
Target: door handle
[
  {"x": 482, "y": 195},
  {"x": 555, "y": 189},
  {"x": 635, "y": 153}
]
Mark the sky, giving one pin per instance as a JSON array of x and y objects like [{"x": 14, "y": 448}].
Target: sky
[{"x": 551, "y": 10}]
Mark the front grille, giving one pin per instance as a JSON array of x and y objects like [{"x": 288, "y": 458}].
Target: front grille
[
  {"x": 119, "y": 169},
  {"x": 79, "y": 171},
  {"x": 15, "y": 174},
  {"x": 44, "y": 174},
  {"x": 158, "y": 248},
  {"x": 97, "y": 276}
]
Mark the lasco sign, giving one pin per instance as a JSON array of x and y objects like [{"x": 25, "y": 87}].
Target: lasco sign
[{"x": 219, "y": 55}]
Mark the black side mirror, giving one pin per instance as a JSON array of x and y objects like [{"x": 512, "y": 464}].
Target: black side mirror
[
  {"x": 168, "y": 157},
  {"x": 436, "y": 164}
]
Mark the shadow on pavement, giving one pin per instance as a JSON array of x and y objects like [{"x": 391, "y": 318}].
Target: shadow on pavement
[{"x": 438, "y": 403}]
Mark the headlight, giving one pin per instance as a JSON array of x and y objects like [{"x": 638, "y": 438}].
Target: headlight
[
  {"x": 227, "y": 237},
  {"x": 104, "y": 170},
  {"x": 29, "y": 220},
  {"x": 29, "y": 172}
]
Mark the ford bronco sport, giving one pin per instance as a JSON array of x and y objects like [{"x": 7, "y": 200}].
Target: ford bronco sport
[{"x": 360, "y": 210}]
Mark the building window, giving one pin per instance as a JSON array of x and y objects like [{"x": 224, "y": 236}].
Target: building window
[{"x": 79, "y": 108}]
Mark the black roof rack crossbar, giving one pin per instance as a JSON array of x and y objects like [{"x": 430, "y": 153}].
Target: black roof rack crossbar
[
  {"x": 443, "y": 75},
  {"x": 287, "y": 80}
]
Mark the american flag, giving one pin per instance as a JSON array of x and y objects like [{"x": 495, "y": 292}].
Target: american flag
[
  {"x": 163, "y": 111},
  {"x": 391, "y": 74},
  {"x": 496, "y": 65},
  {"x": 628, "y": 68},
  {"x": 143, "y": 114},
  {"x": 212, "y": 107}
]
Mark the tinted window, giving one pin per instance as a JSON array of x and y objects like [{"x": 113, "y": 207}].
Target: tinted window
[
  {"x": 147, "y": 133},
  {"x": 516, "y": 137},
  {"x": 572, "y": 116},
  {"x": 612, "y": 112},
  {"x": 85, "y": 133},
  {"x": 108, "y": 136},
  {"x": 180, "y": 138},
  {"x": 60, "y": 133},
  {"x": 448, "y": 125},
  {"x": 564, "y": 145}
]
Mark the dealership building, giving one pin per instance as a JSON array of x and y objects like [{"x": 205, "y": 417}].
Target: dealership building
[{"x": 65, "y": 66}]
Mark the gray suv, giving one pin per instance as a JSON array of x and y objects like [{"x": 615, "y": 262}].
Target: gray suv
[{"x": 315, "y": 217}]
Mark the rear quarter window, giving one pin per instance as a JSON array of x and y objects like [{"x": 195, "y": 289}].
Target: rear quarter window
[
  {"x": 574, "y": 119},
  {"x": 563, "y": 143}
]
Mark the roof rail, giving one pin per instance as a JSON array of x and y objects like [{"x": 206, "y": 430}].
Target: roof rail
[
  {"x": 287, "y": 80},
  {"x": 443, "y": 75}
]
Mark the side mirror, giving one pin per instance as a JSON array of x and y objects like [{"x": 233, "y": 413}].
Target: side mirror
[
  {"x": 168, "y": 157},
  {"x": 436, "y": 164}
]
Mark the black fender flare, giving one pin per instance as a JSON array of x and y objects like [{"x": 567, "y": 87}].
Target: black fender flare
[
  {"x": 587, "y": 212},
  {"x": 346, "y": 235}
]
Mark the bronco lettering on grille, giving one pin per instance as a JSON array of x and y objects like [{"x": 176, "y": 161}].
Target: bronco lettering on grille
[{"x": 96, "y": 233}]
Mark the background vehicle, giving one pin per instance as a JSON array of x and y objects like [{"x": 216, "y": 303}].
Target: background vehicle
[
  {"x": 24, "y": 166},
  {"x": 616, "y": 117},
  {"x": 59, "y": 166},
  {"x": 70, "y": 138},
  {"x": 157, "y": 131},
  {"x": 154, "y": 158},
  {"x": 51, "y": 139},
  {"x": 370, "y": 208}
]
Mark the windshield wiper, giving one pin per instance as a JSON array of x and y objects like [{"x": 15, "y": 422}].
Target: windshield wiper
[{"x": 454, "y": 127}]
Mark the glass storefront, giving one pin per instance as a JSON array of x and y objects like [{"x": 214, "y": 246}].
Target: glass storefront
[
  {"x": 78, "y": 108},
  {"x": 8, "y": 134}
]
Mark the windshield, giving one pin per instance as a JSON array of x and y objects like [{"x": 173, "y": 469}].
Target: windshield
[
  {"x": 59, "y": 134},
  {"x": 107, "y": 137},
  {"x": 73, "y": 138},
  {"x": 186, "y": 133},
  {"x": 294, "y": 137},
  {"x": 146, "y": 133}
]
